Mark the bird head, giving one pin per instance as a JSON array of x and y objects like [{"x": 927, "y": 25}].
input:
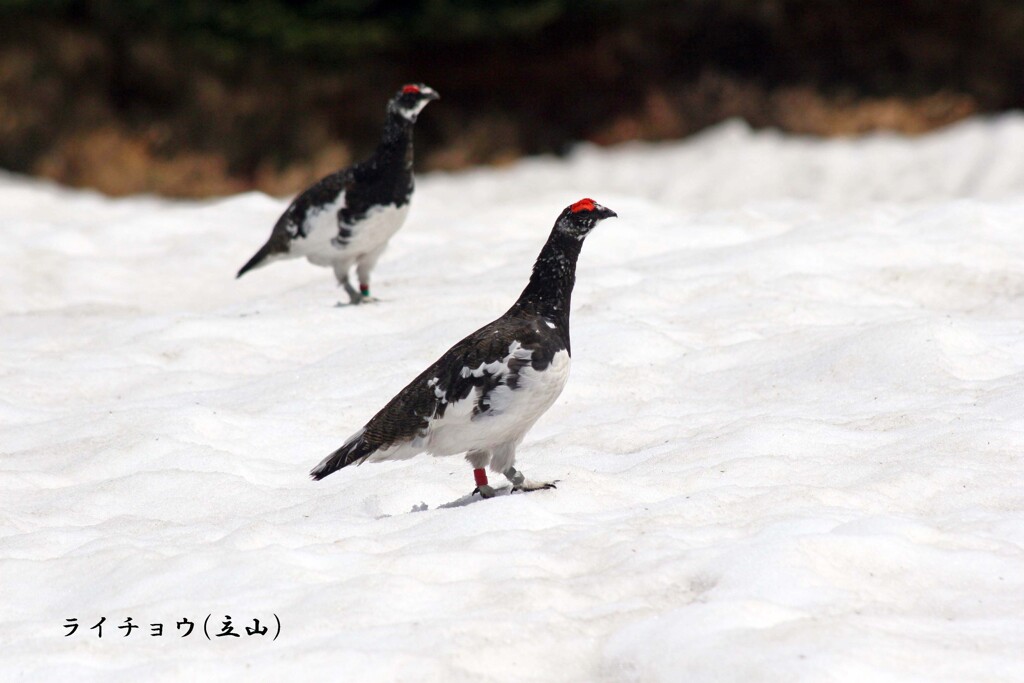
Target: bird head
[
  {"x": 410, "y": 100},
  {"x": 580, "y": 218}
]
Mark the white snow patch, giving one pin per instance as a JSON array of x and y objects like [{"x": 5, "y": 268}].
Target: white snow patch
[{"x": 791, "y": 449}]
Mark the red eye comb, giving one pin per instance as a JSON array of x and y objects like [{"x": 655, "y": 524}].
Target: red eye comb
[
  {"x": 410, "y": 88},
  {"x": 582, "y": 205}
]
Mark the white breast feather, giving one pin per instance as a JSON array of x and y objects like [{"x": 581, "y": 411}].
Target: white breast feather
[
  {"x": 376, "y": 228},
  {"x": 321, "y": 227},
  {"x": 512, "y": 411},
  {"x": 320, "y": 245}
]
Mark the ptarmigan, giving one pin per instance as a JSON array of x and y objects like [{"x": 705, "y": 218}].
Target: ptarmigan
[
  {"x": 348, "y": 217},
  {"x": 484, "y": 393}
]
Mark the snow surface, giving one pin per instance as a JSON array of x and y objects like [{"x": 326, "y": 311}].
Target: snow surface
[{"x": 790, "y": 449}]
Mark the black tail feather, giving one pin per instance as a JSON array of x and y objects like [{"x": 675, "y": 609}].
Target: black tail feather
[
  {"x": 355, "y": 450},
  {"x": 255, "y": 261}
]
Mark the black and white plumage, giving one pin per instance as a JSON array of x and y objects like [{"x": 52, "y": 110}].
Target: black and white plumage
[
  {"x": 347, "y": 218},
  {"x": 487, "y": 391}
]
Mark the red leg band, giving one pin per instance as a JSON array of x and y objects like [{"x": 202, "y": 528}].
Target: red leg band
[{"x": 481, "y": 476}]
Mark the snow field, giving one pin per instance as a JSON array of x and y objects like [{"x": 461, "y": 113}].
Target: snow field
[{"x": 790, "y": 448}]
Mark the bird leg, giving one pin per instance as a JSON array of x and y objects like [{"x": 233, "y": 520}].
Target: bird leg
[
  {"x": 364, "y": 292},
  {"x": 354, "y": 297},
  {"x": 341, "y": 272},
  {"x": 479, "y": 460},
  {"x": 521, "y": 483},
  {"x": 482, "y": 487},
  {"x": 363, "y": 268}
]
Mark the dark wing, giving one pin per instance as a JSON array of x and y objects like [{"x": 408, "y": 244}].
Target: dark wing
[
  {"x": 373, "y": 184},
  {"x": 292, "y": 224},
  {"x": 293, "y": 221},
  {"x": 484, "y": 360}
]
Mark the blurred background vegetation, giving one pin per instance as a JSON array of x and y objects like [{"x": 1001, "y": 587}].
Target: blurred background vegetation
[{"x": 196, "y": 98}]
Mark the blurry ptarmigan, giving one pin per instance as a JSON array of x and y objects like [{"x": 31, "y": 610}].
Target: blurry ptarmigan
[
  {"x": 348, "y": 217},
  {"x": 484, "y": 393}
]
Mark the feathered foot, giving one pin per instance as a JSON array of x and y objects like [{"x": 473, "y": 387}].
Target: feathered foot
[
  {"x": 521, "y": 483},
  {"x": 482, "y": 487}
]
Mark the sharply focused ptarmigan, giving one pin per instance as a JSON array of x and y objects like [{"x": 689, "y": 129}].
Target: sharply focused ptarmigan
[
  {"x": 484, "y": 393},
  {"x": 348, "y": 217}
]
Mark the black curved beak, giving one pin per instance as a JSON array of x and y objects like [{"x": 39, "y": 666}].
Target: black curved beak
[{"x": 604, "y": 212}]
